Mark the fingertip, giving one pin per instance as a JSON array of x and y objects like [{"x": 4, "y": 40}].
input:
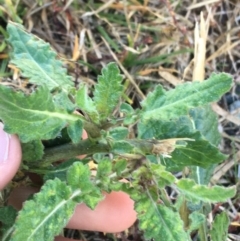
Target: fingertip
[
  {"x": 10, "y": 156},
  {"x": 112, "y": 215}
]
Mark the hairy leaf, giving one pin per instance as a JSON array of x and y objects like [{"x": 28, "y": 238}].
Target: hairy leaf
[
  {"x": 32, "y": 151},
  {"x": 122, "y": 147},
  {"x": 32, "y": 117},
  {"x": 174, "y": 103},
  {"x": 62, "y": 102},
  {"x": 36, "y": 59},
  {"x": 162, "y": 129},
  {"x": 7, "y": 217},
  {"x": 103, "y": 171},
  {"x": 157, "y": 221},
  {"x": 46, "y": 215},
  {"x": 119, "y": 133},
  {"x": 108, "y": 90},
  {"x": 219, "y": 230},
  {"x": 196, "y": 193},
  {"x": 59, "y": 171},
  {"x": 196, "y": 153},
  {"x": 197, "y": 219},
  {"x": 86, "y": 104},
  {"x": 156, "y": 173},
  {"x": 130, "y": 114},
  {"x": 78, "y": 177},
  {"x": 75, "y": 129},
  {"x": 119, "y": 166},
  {"x": 206, "y": 121}
]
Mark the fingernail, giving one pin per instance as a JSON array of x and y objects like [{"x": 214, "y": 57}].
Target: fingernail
[{"x": 4, "y": 145}]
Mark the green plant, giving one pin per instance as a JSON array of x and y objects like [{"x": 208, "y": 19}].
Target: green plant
[{"x": 176, "y": 130}]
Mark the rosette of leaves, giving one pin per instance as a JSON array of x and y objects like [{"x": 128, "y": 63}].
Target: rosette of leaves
[{"x": 175, "y": 129}]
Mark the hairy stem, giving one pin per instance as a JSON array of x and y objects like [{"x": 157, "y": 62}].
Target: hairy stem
[
  {"x": 70, "y": 150},
  {"x": 88, "y": 147}
]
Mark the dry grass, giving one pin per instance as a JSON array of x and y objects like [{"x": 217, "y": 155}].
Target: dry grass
[{"x": 153, "y": 41}]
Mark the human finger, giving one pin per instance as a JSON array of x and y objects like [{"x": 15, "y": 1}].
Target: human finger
[
  {"x": 10, "y": 156},
  {"x": 114, "y": 214}
]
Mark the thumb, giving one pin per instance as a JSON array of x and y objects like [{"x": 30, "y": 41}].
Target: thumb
[{"x": 10, "y": 156}]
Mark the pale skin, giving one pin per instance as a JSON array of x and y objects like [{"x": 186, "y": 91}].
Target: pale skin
[{"x": 114, "y": 214}]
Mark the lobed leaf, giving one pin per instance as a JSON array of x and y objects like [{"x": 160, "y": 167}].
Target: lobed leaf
[
  {"x": 59, "y": 171},
  {"x": 156, "y": 173},
  {"x": 119, "y": 166},
  {"x": 32, "y": 117},
  {"x": 62, "y": 102},
  {"x": 74, "y": 130},
  {"x": 86, "y": 104},
  {"x": 197, "y": 219},
  {"x": 103, "y": 171},
  {"x": 78, "y": 177},
  {"x": 195, "y": 193},
  {"x": 157, "y": 221},
  {"x": 108, "y": 90},
  {"x": 36, "y": 60},
  {"x": 46, "y": 215},
  {"x": 122, "y": 147},
  {"x": 119, "y": 133},
  {"x": 219, "y": 230},
  {"x": 32, "y": 151},
  {"x": 8, "y": 215},
  {"x": 177, "y": 102}
]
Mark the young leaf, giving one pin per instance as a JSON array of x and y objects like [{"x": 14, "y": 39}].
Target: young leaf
[
  {"x": 59, "y": 171},
  {"x": 78, "y": 177},
  {"x": 119, "y": 166},
  {"x": 119, "y": 133},
  {"x": 32, "y": 117},
  {"x": 86, "y": 104},
  {"x": 122, "y": 147},
  {"x": 219, "y": 230},
  {"x": 196, "y": 193},
  {"x": 32, "y": 151},
  {"x": 157, "y": 221},
  {"x": 62, "y": 102},
  {"x": 197, "y": 219},
  {"x": 47, "y": 214},
  {"x": 108, "y": 90},
  {"x": 7, "y": 217},
  {"x": 174, "y": 103},
  {"x": 36, "y": 59},
  {"x": 130, "y": 114},
  {"x": 103, "y": 171},
  {"x": 154, "y": 172},
  {"x": 74, "y": 130}
]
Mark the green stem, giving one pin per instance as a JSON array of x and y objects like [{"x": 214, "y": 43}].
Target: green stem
[
  {"x": 69, "y": 150},
  {"x": 87, "y": 147},
  {"x": 203, "y": 231}
]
